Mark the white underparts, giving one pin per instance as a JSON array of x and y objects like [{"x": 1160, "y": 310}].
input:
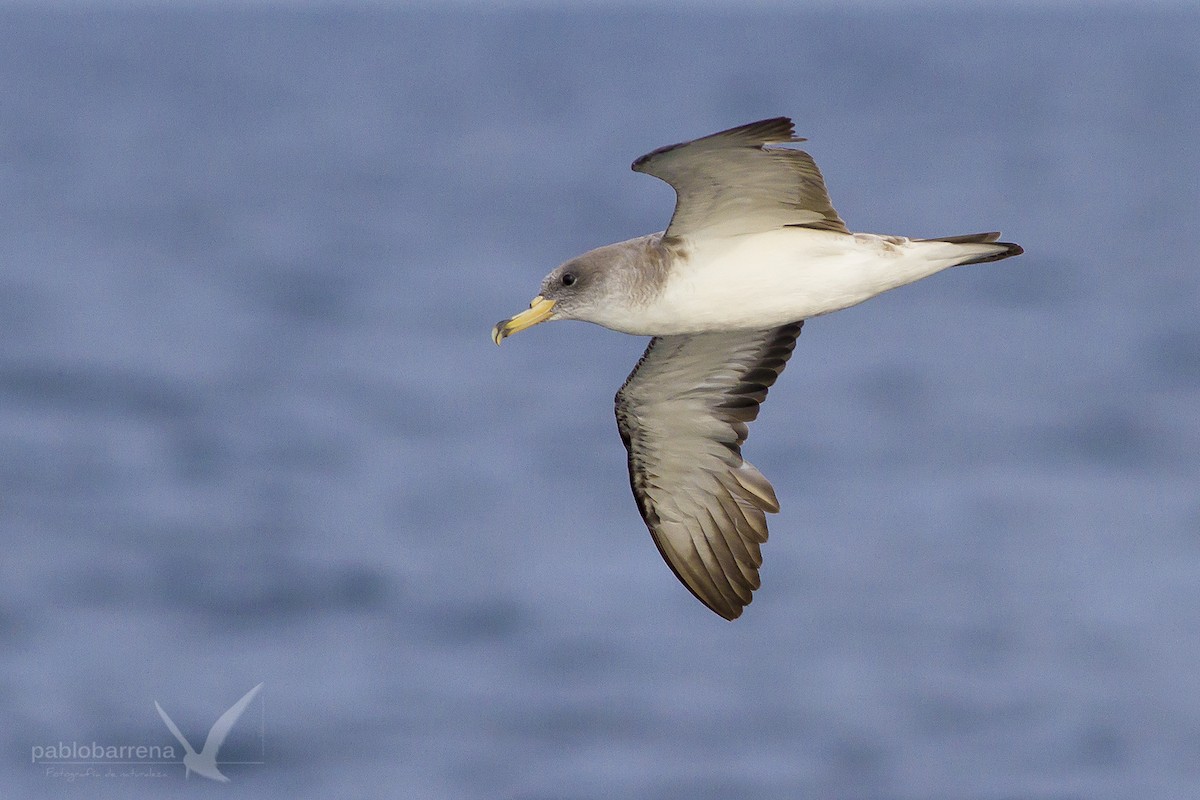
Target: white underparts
[{"x": 763, "y": 280}]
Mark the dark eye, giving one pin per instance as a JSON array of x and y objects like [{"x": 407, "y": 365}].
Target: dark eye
[{"x": 568, "y": 279}]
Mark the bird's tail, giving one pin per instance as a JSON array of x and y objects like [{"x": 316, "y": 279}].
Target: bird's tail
[{"x": 980, "y": 248}]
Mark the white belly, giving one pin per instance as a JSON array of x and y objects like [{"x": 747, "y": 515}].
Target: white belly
[{"x": 769, "y": 279}]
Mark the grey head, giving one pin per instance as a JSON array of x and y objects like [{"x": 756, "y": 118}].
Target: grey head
[{"x": 595, "y": 287}]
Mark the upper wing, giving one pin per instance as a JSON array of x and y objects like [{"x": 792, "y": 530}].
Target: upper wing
[
  {"x": 682, "y": 414},
  {"x": 730, "y": 183},
  {"x": 222, "y": 727}
]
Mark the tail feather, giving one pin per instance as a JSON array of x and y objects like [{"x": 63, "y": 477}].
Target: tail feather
[{"x": 995, "y": 250}]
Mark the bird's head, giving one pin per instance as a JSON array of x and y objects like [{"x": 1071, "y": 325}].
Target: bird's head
[
  {"x": 598, "y": 287},
  {"x": 566, "y": 293}
]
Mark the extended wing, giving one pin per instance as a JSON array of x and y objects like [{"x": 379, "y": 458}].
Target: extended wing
[
  {"x": 731, "y": 182},
  {"x": 222, "y": 727},
  {"x": 682, "y": 415},
  {"x": 173, "y": 729}
]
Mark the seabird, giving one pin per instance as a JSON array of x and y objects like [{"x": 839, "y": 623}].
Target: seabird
[{"x": 753, "y": 249}]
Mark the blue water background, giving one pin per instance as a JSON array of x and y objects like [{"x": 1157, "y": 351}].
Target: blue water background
[{"x": 252, "y": 427}]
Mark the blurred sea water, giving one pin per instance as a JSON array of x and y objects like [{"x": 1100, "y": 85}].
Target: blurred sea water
[{"x": 252, "y": 428}]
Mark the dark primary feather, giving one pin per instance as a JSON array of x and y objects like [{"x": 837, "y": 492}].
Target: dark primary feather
[{"x": 683, "y": 415}]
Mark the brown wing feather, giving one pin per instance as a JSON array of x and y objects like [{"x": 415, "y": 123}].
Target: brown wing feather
[
  {"x": 683, "y": 415},
  {"x": 731, "y": 182}
]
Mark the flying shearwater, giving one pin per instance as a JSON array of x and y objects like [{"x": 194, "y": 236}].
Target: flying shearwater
[{"x": 753, "y": 249}]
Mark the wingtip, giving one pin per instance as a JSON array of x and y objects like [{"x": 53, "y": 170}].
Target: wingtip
[
  {"x": 786, "y": 128},
  {"x": 722, "y": 608},
  {"x": 732, "y": 613},
  {"x": 773, "y": 130}
]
